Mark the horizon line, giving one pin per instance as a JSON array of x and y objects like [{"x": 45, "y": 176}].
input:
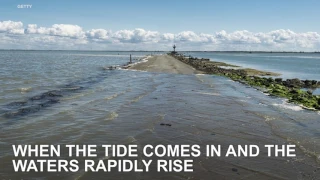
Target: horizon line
[{"x": 158, "y": 51}]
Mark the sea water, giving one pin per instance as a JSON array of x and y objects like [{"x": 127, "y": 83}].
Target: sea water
[
  {"x": 71, "y": 97},
  {"x": 289, "y": 65}
]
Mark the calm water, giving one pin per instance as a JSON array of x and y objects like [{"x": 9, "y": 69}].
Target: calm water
[
  {"x": 67, "y": 97},
  {"x": 290, "y": 65}
]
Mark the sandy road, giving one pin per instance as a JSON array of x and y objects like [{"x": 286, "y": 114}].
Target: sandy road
[{"x": 165, "y": 64}]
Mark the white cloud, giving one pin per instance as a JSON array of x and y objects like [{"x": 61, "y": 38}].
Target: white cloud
[
  {"x": 11, "y": 27},
  {"x": 187, "y": 36},
  {"x": 282, "y": 36},
  {"x": 123, "y": 35},
  {"x": 167, "y": 37},
  {"x": 61, "y": 36},
  {"x": 191, "y": 37},
  {"x": 99, "y": 34},
  {"x": 136, "y": 36},
  {"x": 308, "y": 39},
  {"x": 64, "y": 30}
]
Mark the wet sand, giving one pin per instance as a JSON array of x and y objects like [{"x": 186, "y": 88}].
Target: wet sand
[{"x": 165, "y": 64}]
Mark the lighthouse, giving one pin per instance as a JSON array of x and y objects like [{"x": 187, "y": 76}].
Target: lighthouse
[{"x": 174, "y": 48}]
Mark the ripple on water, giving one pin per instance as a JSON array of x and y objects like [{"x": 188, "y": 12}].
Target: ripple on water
[
  {"x": 209, "y": 93},
  {"x": 136, "y": 99},
  {"x": 25, "y": 90},
  {"x": 114, "y": 96},
  {"x": 112, "y": 116},
  {"x": 289, "y": 106}
]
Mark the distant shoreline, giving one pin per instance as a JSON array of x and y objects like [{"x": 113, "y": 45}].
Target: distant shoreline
[{"x": 250, "y": 52}]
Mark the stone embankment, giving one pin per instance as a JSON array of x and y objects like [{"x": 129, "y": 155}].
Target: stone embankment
[{"x": 292, "y": 89}]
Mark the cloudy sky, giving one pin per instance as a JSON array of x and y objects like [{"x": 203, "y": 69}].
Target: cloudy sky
[{"x": 273, "y": 25}]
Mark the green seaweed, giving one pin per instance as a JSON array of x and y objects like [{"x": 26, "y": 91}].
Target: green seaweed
[{"x": 294, "y": 94}]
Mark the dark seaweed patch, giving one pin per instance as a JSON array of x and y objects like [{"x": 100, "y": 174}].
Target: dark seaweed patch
[
  {"x": 16, "y": 104},
  {"x": 38, "y": 102}
]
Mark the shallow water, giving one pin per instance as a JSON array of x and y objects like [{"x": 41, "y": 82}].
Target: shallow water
[{"x": 89, "y": 105}]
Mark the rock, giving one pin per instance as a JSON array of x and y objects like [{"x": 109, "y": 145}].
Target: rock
[
  {"x": 111, "y": 68},
  {"x": 278, "y": 80},
  {"x": 165, "y": 124},
  {"x": 293, "y": 83},
  {"x": 234, "y": 169}
]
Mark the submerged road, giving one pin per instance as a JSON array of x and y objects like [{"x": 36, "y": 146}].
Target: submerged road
[
  {"x": 165, "y": 64},
  {"x": 172, "y": 104}
]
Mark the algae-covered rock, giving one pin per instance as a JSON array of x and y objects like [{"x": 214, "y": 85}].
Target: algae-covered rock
[
  {"x": 289, "y": 88},
  {"x": 278, "y": 80}
]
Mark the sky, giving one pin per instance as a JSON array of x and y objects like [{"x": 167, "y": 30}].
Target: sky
[{"x": 269, "y": 25}]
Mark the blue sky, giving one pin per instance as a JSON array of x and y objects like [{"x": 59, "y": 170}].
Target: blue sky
[
  {"x": 170, "y": 16},
  {"x": 167, "y": 16}
]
